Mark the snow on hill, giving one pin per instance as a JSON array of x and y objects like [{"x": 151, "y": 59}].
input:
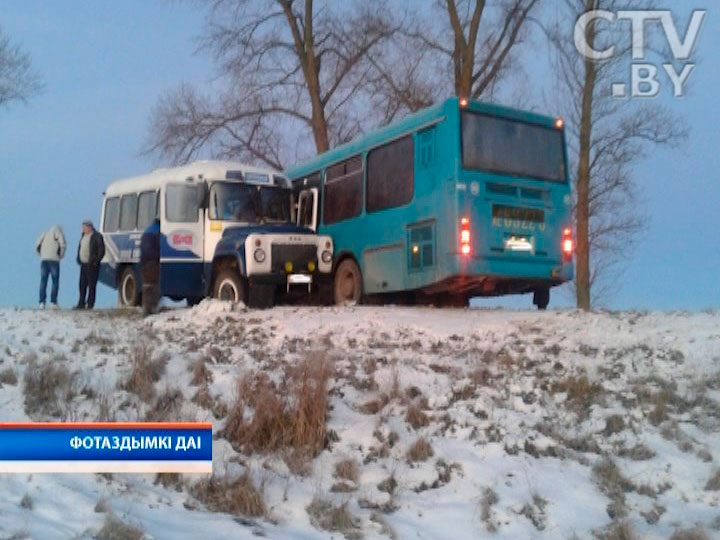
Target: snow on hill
[{"x": 441, "y": 423}]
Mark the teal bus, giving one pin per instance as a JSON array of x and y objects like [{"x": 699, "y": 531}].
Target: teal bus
[{"x": 458, "y": 200}]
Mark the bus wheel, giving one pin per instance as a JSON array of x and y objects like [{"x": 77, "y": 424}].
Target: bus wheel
[
  {"x": 128, "y": 291},
  {"x": 229, "y": 286},
  {"x": 348, "y": 283},
  {"x": 541, "y": 297}
]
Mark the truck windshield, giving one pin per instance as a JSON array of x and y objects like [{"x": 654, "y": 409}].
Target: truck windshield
[
  {"x": 244, "y": 203},
  {"x": 510, "y": 147}
]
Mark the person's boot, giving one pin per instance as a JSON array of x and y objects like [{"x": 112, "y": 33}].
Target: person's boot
[{"x": 79, "y": 306}]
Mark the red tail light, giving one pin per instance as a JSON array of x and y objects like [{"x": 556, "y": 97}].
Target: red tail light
[
  {"x": 567, "y": 244},
  {"x": 465, "y": 236}
]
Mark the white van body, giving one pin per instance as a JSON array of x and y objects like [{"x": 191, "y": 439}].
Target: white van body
[{"x": 216, "y": 217}]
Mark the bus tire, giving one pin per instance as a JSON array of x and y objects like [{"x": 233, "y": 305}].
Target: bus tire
[
  {"x": 541, "y": 298},
  {"x": 229, "y": 286},
  {"x": 128, "y": 289},
  {"x": 348, "y": 287}
]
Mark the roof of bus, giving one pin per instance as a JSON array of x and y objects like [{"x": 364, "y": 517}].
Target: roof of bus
[
  {"x": 208, "y": 169},
  {"x": 411, "y": 122}
]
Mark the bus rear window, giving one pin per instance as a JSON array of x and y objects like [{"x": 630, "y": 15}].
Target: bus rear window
[{"x": 503, "y": 146}]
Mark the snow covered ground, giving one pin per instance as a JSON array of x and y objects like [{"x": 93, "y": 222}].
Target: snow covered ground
[{"x": 540, "y": 425}]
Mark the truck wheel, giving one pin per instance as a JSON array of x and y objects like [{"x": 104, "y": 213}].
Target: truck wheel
[
  {"x": 261, "y": 296},
  {"x": 541, "y": 297},
  {"x": 229, "y": 286},
  {"x": 128, "y": 290},
  {"x": 348, "y": 283}
]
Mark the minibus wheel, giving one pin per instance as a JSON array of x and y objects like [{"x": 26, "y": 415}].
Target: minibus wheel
[
  {"x": 348, "y": 283},
  {"x": 229, "y": 286},
  {"x": 128, "y": 290}
]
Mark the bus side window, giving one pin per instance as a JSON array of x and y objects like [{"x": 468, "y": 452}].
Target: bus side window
[
  {"x": 181, "y": 203},
  {"x": 390, "y": 175},
  {"x": 111, "y": 222},
  {"x": 146, "y": 209},
  {"x": 343, "y": 191},
  {"x": 128, "y": 212}
]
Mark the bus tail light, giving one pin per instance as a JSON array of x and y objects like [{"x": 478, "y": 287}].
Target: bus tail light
[
  {"x": 567, "y": 244},
  {"x": 465, "y": 236}
]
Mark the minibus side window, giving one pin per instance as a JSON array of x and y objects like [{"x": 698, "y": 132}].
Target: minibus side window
[
  {"x": 112, "y": 214},
  {"x": 128, "y": 212},
  {"x": 146, "y": 209},
  {"x": 181, "y": 204}
]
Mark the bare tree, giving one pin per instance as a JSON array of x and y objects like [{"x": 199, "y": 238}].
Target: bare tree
[
  {"x": 460, "y": 47},
  {"x": 18, "y": 81},
  {"x": 285, "y": 66},
  {"x": 606, "y": 138}
]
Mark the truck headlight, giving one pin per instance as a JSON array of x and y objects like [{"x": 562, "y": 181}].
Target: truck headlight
[
  {"x": 259, "y": 255},
  {"x": 326, "y": 256}
]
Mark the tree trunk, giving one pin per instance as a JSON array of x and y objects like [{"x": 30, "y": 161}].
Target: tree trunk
[
  {"x": 582, "y": 211},
  {"x": 319, "y": 122},
  {"x": 464, "y": 48},
  {"x": 305, "y": 50}
]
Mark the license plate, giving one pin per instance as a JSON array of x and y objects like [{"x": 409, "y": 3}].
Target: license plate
[
  {"x": 294, "y": 279},
  {"x": 515, "y": 243}
]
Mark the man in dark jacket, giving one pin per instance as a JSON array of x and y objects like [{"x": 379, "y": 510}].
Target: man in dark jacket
[
  {"x": 91, "y": 250},
  {"x": 150, "y": 267}
]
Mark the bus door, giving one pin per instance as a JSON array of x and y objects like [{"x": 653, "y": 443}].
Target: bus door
[
  {"x": 307, "y": 211},
  {"x": 182, "y": 240}
]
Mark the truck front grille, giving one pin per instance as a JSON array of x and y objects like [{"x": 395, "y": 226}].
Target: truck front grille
[{"x": 297, "y": 254}]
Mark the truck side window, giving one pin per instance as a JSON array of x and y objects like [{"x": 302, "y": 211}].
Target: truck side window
[
  {"x": 181, "y": 203},
  {"x": 128, "y": 212},
  {"x": 146, "y": 209},
  {"x": 111, "y": 221}
]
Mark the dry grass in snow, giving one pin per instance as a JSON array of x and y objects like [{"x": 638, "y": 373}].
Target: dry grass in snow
[
  {"x": 554, "y": 425},
  {"x": 269, "y": 416},
  {"x": 235, "y": 496}
]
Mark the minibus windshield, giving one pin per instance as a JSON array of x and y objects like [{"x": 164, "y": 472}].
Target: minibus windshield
[{"x": 245, "y": 203}]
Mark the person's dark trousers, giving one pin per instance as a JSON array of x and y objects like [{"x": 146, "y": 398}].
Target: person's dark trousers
[
  {"x": 51, "y": 268},
  {"x": 150, "y": 273},
  {"x": 150, "y": 297},
  {"x": 88, "y": 284}
]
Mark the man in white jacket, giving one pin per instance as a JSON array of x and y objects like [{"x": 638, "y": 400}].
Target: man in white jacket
[{"x": 51, "y": 248}]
